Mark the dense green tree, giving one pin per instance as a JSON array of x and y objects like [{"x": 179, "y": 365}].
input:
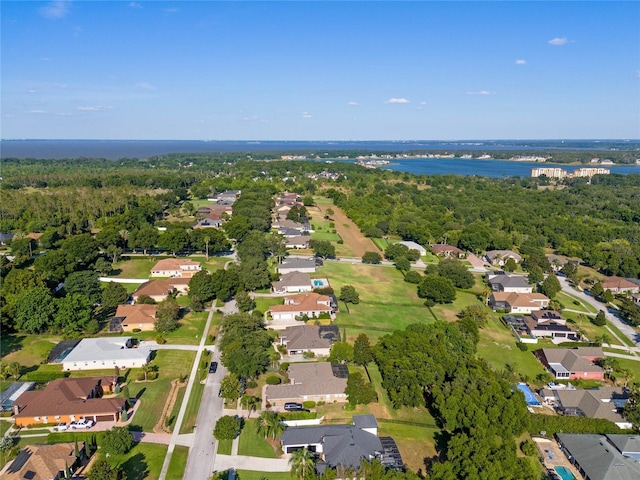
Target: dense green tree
[
  {"x": 168, "y": 314},
  {"x": 80, "y": 250},
  {"x": 600, "y": 319},
  {"x": 358, "y": 391},
  {"x": 478, "y": 313},
  {"x": 53, "y": 266},
  {"x": 245, "y": 346},
  {"x": 144, "y": 238},
  {"x": 412, "y": 277},
  {"x": 437, "y": 289},
  {"x": 254, "y": 273},
  {"x": 113, "y": 294},
  {"x": 74, "y": 313},
  {"x": 454, "y": 270},
  {"x": 371, "y": 257},
  {"x": 84, "y": 283},
  {"x": 510, "y": 265},
  {"x": 117, "y": 441},
  {"x": 323, "y": 248},
  {"x": 631, "y": 409},
  {"x": 536, "y": 275},
  {"x": 341, "y": 352},
  {"x": 244, "y": 302},
  {"x": 103, "y": 267},
  {"x": 403, "y": 264},
  {"x": 35, "y": 310},
  {"x": 227, "y": 428},
  {"x": 202, "y": 286},
  {"x": 230, "y": 388},
  {"x": 145, "y": 300},
  {"x": 348, "y": 294},
  {"x": 303, "y": 464},
  {"x": 362, "y": 353},
  {"x": 238, "y": 227},
  {"x": 174, "y": 239},
  {"x": 103, "y": 470},
  {"x": 550, "y": 286}
]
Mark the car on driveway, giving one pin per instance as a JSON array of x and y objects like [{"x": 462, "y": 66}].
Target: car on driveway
[
  {"x": 293, "y": 407},
  {"x": 84, "y": 423},
  {"x": 61, "y": 427},
  {"x": 213, "y": 367}
]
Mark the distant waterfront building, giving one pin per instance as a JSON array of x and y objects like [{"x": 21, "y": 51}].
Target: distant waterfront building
[{"x": 561, "y": 173}]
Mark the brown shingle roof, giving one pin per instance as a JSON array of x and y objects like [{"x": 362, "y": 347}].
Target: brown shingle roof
[
  {"x": 304, "y": 302},
  {"x": 67, "y": 396},
  {"x": 140, "y": 313},
  {"x": 520, "y": 299},
  {"x": 160, "y": 287},
  {"x": 173, "y": 264},
  {"x": 41, "y": 462},
  {"x": 304, "y": 337}
]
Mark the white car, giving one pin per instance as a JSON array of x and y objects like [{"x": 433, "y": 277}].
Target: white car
[
  {"x": 61, "y": 427},
  {"x": 84, "y": 423}
]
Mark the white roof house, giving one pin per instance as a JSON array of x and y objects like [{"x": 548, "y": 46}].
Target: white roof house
[
  {"x": 100, "y": 353},
  {"x": 414, "y": 246}
]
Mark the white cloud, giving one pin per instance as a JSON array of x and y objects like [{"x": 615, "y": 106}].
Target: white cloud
[
  {"x": 306, "y": 115},
  {"x": 55, "y": 10},
  {"x": 135, "y": 5},
  {"x": 481, "y": 92},
  {"x": 521, "y": 62},
  {"x": 421, "y": 105},
  {"x": 38, "y": 112},
  {"x": 352, "y": 104},
  {"x": 98, "y": 108},
  {"x": 31, "y": 90},
  {"x": 397, "y": 101},
  {"x": 558, "y": 42},
  {"x": 145, "y": 86}
]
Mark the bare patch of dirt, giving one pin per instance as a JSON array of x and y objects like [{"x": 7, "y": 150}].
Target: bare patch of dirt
[
  {"x": 357, "y": 244},
  {"x": 161, "y": 426}
]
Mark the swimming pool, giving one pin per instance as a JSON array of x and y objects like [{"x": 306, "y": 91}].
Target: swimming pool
[
  {"x": 318, "y": 283},
  {"x": 564, "y": 472}
]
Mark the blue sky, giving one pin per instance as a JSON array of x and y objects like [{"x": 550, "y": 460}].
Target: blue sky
[{"x": 320, "y": 70}]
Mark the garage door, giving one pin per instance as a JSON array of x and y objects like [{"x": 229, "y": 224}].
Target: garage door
[{"x": 104, "y": 418}]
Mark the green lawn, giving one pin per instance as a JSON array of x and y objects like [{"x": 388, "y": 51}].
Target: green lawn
[
  {"x": 387, "y": 303},
  {"x": 255, "y": 475},
  {"x": 134, "y": 267},
  {"x": 381, "y": 243},
  {"x": 171, "y": 365},
  {"x": 26, "y": 349},
  {"x": 252, "y": 444},
  {"x": 178, "y": 463},
  {"x": 574, "y": 303},
  {"x": 144, "y": 461},
  {"x": 188, "y": 333},
  {"x": 224, "y": 447},
  {"x": 193, "y": 405},
  {"x": 4, "y": 426},
  {"x": 263, "y": 303},
  {"x": 415, "y": 443},
  {"x": 376, "y": 381}
]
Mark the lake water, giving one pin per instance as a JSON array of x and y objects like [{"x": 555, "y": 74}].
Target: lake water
[{"x": 117, "y": 149}]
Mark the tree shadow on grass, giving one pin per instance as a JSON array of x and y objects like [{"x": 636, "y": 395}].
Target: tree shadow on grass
[
  {"x": 10, "y": 343},
  {"x": 136, "y": 467}
]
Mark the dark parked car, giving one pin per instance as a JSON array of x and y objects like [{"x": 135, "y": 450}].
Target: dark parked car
[
  {"x": 243, "y": 385},
  {"x": 213, "y": 367},
  {"x": 293, "y": 407}
]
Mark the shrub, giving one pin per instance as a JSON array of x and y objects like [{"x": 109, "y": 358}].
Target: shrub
[
  {"x": 522, "y": 346},
  {"x": 152, "y": 375},
  {"x": 340, "y": 242},
  {"x": 321, "y": 403},
  {"x": 273, "y": 380},
  {"x": 227, "y": 428},
  {"x": 252, "y": 384},
  {"x": 309, "y": 404},
  {"x": 211, "y": 339},
  {"x": 528, "y": 447},
  {"x": 284, "y": 366},
  {"x": 136, "y": 330},
  {"x": 309, "y": 354},
  {"x": 160, "y": 340},
  {"x": 140, "y": 376}
]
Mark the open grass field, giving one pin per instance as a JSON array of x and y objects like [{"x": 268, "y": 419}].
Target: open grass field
[
  {"x": 224, "y": 447},
  {"x": 355, "y": 243},
  {"x": 26, "y": 349},
  {"x": 387, "y": 303},
  {"x": 263, "y": 303},
  {"x": 414, "y": 442},
  {"x": 144, "y": 462},
  {"x": 250, "y": 443},
  {"x": 178, "y": 463},
  {"x": 153, "y": 394},
  {"x": 140, "y": 266}
]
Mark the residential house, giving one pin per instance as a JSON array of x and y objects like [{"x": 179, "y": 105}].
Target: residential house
[
  {"x": 175, "y": 267},
  {"x": 603, "y": 402},
  {"x": 571, "y": 363},
  {"x": 289, "y": 198},
  {"x": 549, "y": 323},
  {"x": 45, "y": 462},
  {"x": 209, "y": 223},
  {"x": 313, "y": 381},
  {"x": 299, "y": 242},
  {"x": 292, "y": 225},
  {"x": 343, "y": 445},
  {"x": 619, "y": 285},
  {"x": 297, "y": 264},
  {"x": 160, "y": 289},
  {"x": 316, "y": 339},
  {"x": 603, "y": 457},
  {"x": 107, "y": 352},
  {"x": 518, "y": 302},
  {"x": 500, "y": 257},
  {"x": 140, "y": 316},
  {"x": 68, "y": 400},
  {"x": 289, "y": 232},
  {"x": 310, "y": 305},
  {"x": 447, "y": 251},
  {"x": 294, "y": 282},
  {"x": 557, "y": 261},
  {"x": 415, "y": 246},
  {"x": 500, "y": 281}
]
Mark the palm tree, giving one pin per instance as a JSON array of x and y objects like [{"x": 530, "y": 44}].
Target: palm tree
[
  {"x": 270, "y": 424},
  {"x": 146, "y": 368},
  {"x": 303, "y": 462}
]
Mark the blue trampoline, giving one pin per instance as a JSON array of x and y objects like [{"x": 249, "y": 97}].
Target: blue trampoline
[{"x": 531, "y": 399}]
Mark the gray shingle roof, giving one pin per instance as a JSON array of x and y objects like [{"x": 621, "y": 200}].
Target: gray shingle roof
[
  {"x": 292, "y": 263},
  {"x": 599, "y": 458}
]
